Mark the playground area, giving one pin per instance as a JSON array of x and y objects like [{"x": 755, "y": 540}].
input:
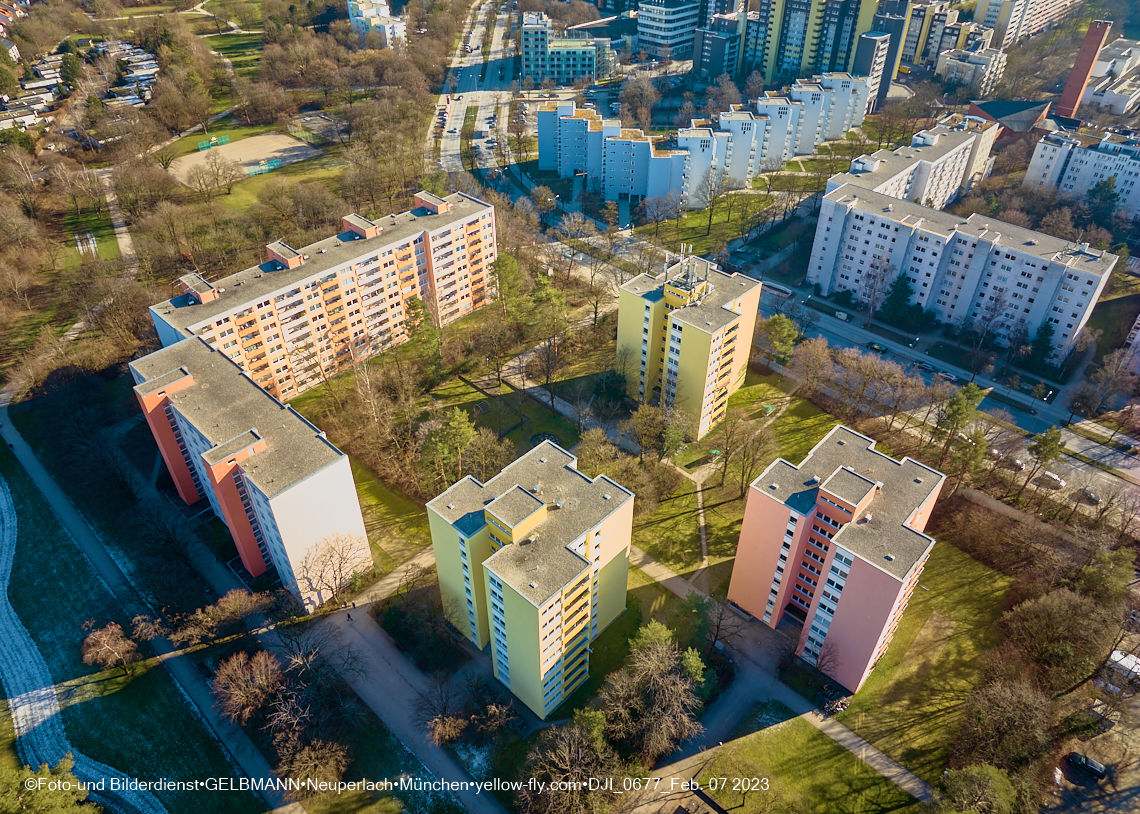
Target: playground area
[{"x": 256, "y": 154}]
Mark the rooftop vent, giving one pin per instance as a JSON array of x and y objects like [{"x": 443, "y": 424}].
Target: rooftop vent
[
  {"x": 841, "y": 443},
  {"x": 558, "y": 504},
  {"x": 868, "y": 517},
  {"x": 773, "y": 486},
  {"x": 306, "y": 257},
  {"x": 918, "y": 480},
  {"x": 889, "y": 558},
  {"x": 542, "y": 460},
  {"x": 814, "y": 479},
  {"x": 451, "y": 505},
  {"x": 537, "y": 488},
  {"x": 322, "y": 251},
  {"x": 533, "y": 584},
  {"x": 606, "y": 496}
]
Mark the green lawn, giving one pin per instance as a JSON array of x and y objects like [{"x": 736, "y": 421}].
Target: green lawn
[
  {"x": 694, "y": 229},
  {"x": 318, "y": 168},
  {"x": 654, "y": 600},
  {"x": 125, "y": 722},
  {"x": 911, "y": 706},
  {"x": 791, "y": 183},
  {"x": 158, "y": 8},
  {"x": 397, "y": 525},
  {"x": 215, "y": 5},
  {"x": 805, "y": 771},
  {"x": 236, "y": 132},
  {"x": 243, "y": 50},
  {"x": 799, "y": 428},
  {"x": 99, "y": 225},
  {"x": 1113, "y": 319},
  {"x": 672, "y": 534},
  {"x": 504, "y": 412}
]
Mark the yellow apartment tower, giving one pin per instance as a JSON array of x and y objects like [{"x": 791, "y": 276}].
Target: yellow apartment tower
[
  {"x": 685, "y": 336},
  {"x": 535, "y": 563}
]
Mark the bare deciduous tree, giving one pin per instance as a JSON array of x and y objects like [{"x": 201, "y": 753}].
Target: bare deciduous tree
[
  {"x": 109, "y": 646},
  {"x": 331, "y": 565},
  {"x": 244, "y": 685}
]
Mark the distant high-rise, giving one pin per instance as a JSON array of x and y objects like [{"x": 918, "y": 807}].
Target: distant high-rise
[
  {"x": 1016, "y": 20},
  {"x": 871, "y": 58},
  {"x": 1083, "y": 67}
]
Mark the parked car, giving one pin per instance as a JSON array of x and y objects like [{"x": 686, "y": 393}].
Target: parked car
[
  {"x": 1053, "y": 479},
  {"x": 875, "y": 346},
  {"x": 1087, "y": 765},
  {"x": 1091, "y": 496},
  {"x": 929, "y": 368},
  {"x": 996, "y": 453},
  {"x": 1015, "y": 464},
  {"x": 946, "y": 375}
]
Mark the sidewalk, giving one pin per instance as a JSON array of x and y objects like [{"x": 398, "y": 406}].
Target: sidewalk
[{"x": 756, "y": 681}]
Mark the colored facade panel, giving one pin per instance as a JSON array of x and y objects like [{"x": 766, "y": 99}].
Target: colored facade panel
[{"x": 684, "y": 337}]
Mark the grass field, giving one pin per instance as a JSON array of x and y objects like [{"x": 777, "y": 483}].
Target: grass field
[
  {"x": 397, "y": 525},
  {"x": 319, "y": 168},
  {"x": 125, "y": 722},
  {"x": 692, "y": 228},
  {"x": 157, "y": 8},
  {"x": 911, "y": 706},
  {"x": 1113, "y": 319},
  {"x": 243, "y": 50},
  {"x": 803, "y": 768},
  {"x": 99, "y": 225},
  {"x": 799, "y": 428},
  {"x": 504, "y": 411}
]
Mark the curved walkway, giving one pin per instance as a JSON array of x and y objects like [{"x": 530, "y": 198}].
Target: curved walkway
[{"x": 31, "y": 693}]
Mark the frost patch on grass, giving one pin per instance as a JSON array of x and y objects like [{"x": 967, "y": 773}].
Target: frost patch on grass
[
  {"x": 476, "y": 760},
  {"x": 32, "y": 699},
  {"x": 765, "y": 715}
]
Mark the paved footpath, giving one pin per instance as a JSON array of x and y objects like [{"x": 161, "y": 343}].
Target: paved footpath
[
  {"x": 240, "y": 747},
  {"x": 756, "y": 681}
]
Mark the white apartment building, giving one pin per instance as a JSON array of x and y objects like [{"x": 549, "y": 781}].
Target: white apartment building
[
  {"x": 623, "y": 162},
  {"x": 1016, "y": 20},
  {"x": 1073, "y": 163},
  {"x": 272, "y": 477},
  {"x": 376, "y": 15},
  {"x": 1115, "y": 83},
  {"x": 980, "y": 70},
  {"x": 668, "y": 27},
  {"x": 939, "y": 165},
  {"x": 959, "y": 269},
  {"x": 562, "y": 59}
]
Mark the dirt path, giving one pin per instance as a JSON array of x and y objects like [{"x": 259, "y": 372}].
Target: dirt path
[{"x": 32, "y": 699}]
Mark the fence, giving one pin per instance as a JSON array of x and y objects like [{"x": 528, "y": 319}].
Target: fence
[
  {"x": 303, "y": 133},
  {"x": 216, "y": 141},
  {"x": 265, "y": 166}
]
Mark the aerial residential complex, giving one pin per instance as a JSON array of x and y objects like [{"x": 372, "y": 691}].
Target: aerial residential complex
[
  {"x": 271, "y": 476},
  {"x": 534, "y": 562},
  {"x": 1014, "y": 277},
  {"x": 978, "y": 70},
  {"x": 1073, "y": 163},
  {"x": 837, "y": 544},
  {"x": 622, "y": 162},
  {"x": 568, "y": 58},
  {"x": 665, "y": 27},
  {"x": 1016, "y": 20},
  {"x": 305, "y": 314},
  {"x": 940, "y": 164},
  {"x": 376, "y": 16},
  {"x": 684, "y": 337},
  {"x": 1115, "y": 82}
]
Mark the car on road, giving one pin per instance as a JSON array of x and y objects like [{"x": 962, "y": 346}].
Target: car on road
[
  {"x": 946, "y": 376},
  {"x": 453, "y": 130},
  {"x": 1087, "y": 765},
  {"x": 1091, "y": 496},
  {"x": 875, "y": 346},
  {"x": 929, "y": 368}
]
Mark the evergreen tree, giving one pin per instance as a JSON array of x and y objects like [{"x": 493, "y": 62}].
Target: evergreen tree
[
  {"x": 897, "y": 304},
  {"x": 1041, "y": 346}
]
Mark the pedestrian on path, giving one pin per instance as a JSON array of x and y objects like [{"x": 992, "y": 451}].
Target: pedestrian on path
[
  {"x": 349, "y": 617},
  {"x": 354, "y": 605}
]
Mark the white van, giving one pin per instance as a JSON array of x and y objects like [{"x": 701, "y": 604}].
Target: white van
[{"x": 1054, "y": 480}]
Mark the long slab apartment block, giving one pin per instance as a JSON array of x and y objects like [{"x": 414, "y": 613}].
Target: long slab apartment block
[{"x": 308, "y": 313}]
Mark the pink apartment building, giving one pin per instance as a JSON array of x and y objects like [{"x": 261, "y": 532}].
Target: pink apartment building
[
  {"x": 272, "y": 477},
  {"x": 836, "y": 544}
]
